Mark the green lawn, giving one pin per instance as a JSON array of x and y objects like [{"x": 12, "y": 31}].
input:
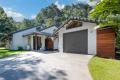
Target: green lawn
[
  {"x": 5, "y": 52},
  {"x": 104, "y": 69}
]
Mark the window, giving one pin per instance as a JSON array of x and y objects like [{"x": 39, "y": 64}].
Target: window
[{"x": 74, "y": 24}]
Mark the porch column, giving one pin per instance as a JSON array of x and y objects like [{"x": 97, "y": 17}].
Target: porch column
[
  {"x": 35, "y": 41},
  {"x": 32, "y": 46},
  {"x": 43, "y": 42}
]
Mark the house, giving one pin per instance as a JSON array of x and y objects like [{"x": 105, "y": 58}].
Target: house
[
  {"x": 76, "y": 35},
  {"x": 34, "y": 38},
  {"x": 83, "y": 36}
]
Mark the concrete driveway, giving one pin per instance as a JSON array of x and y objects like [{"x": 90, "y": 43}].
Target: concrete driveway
[{"x": 45, "y": 66}]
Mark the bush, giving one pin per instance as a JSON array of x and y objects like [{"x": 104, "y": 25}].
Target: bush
[{"x": 20, "y": 48}]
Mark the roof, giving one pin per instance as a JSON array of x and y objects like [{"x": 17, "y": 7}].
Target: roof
[
  {"x": 40, "y": 33},
  {"x": 43, "y": 30},
  {"x": 54, "y": 29},
  {"x": 47, "y": 28},
  {"x": 23, "y": 29},
  {"x": 80, "y": 19},
  {"x": 50, "y": 30}
]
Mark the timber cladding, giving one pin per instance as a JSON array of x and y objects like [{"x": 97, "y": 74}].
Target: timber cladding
[{"x": 106, "y": 43}]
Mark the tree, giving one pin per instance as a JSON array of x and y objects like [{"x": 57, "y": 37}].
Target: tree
[
  {"x": 114, "y": 20},
  {"x": 25, "y": 23},
  {"x": 47, "y": 15},
  {"x": 29, "y": 23},
  {"x": 109, "y": 10},
  {"x": 105, "y": 8},
  {"x": 6, "y": 24},
  {"x": 52, "y": 15}
]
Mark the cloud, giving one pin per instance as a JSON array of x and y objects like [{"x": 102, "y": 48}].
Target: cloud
[
  {"x": 78, "y": 0},
  {"x": 86, "y": 1},
  {"x": 60, "y": 6},
  {"x": 93, "y": 3},
  {"x": 15, "y": 15},
  {"x": 33, "y": 16}
]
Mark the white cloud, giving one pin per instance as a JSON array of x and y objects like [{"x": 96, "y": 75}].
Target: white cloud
[
  {"x": 81, "y": 1},
  {"x": 33, "y": 16},
  {"x": 16, "y": 15},
  {"x": 78, "y": 0},
  {"x": 60, "y": 6},
  {"x": 93, "y": 3}
]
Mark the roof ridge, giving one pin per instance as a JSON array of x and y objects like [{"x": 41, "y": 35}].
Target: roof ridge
[
  {"x": 86, "y": 19},
  {"x": 23, "y": 29}
]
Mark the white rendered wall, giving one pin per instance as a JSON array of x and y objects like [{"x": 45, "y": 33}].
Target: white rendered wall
[
  {"x": 31, "y": 42},
  {"x": 91, "y": 36},
  {"x": 43, "y": 42},
  {"x": 19, "y": 40},
  {"x": 56, "y": 43}
]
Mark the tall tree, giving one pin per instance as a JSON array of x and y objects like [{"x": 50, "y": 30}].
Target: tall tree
[
  {"x": 25, "y": 23},
  {"x": 105, "y": 8},
  {"x": 109, "y": 10},
  {"x": 78, "y": 10},
  {"x": 6, "y": 24},
  {"x": 29, "y": 23},
  {"x": 46, "y": 16},
  {"x": 52, "y": 15}
]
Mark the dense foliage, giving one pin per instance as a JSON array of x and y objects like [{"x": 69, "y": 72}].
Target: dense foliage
[
  {"x": 25, "y": 23},
  {"x": 105, "y": 8},
  {"x": 109, "y": 10},
  {"x": 6, "y": 24},
  {"x": 52, "y": 15}
]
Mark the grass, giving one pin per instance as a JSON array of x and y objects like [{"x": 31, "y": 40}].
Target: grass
[
  {"x": 6, "y": 53},
  {"x": 104, "y": 69}
]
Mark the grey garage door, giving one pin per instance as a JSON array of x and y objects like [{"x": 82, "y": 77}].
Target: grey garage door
[{"x": 76, "y": 42}]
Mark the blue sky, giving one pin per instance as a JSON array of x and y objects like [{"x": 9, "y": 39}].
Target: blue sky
[{"x": 20, "y": 9}]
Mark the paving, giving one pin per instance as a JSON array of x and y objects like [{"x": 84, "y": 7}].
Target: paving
[{"x": 45, "y": 66}]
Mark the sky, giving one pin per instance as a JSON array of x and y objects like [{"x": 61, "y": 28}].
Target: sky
[{"x": 20, "y": 9}]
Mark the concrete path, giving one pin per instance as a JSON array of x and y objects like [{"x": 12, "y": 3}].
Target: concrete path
[{"x": 45, "y": 66}]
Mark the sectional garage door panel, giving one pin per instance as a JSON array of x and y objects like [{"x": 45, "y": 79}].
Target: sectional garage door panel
[{"x": 76, "y": 42}]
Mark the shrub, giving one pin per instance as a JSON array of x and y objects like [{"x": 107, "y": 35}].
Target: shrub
[{"x": 20, "y": 48}]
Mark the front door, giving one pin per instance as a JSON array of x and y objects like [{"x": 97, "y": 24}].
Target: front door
[
  {"x": 48, "y": 44},
  {"x": 36, "y": 42}
]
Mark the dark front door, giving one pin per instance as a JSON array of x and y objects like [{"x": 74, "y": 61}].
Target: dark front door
[
  {"x": 48, "y": 44},
  {"x": 76, "y": 42},
  {"x": 36, "y": 42}
]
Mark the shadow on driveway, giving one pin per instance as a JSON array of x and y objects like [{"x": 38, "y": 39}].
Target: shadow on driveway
[
  {"x": 21, "y": 68},
  {"x": 20, "y": 74}
]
